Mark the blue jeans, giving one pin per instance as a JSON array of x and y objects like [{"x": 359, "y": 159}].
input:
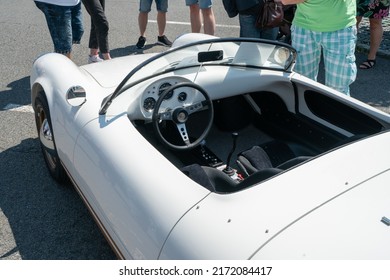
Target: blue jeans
[
  {"x": 145, "y": 5},
  {"x": 65, "y": 25},
  {"x": 249, "y": 30}
]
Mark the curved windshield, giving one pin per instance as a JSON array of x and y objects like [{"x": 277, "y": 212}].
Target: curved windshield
[{"x": 235, "y": 52}]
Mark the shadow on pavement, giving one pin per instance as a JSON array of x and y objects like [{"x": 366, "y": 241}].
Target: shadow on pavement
[
  {"x": 47, "y": 221},
  {"x": 18, "y": 92}
]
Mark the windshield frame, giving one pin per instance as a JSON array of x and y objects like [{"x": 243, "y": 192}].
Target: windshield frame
[{"x": 123, "y": 87}]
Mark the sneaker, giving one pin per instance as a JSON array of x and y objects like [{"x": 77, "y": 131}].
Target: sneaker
[
  {"x": 94, "y": 59},
  {"x": 163, "y": 40},
  {"x": 141, "y": 42}
]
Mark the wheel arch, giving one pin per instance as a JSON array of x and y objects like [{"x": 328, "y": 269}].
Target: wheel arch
[
  {"x": 51, "y": 73},
  {"x": 36, "y": 88}
]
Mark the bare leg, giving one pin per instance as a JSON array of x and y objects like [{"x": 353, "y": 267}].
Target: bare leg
[
  {"x": 358, "y": 20},
  {"x": 161, "y": 22},
  {"x": 106, "y": 56},
  {"x": 376, "y": 35},
  {"x": 94, "y": 51},
  {"x": 142, "y": 23},
  {"x": 196, "y": 22},
  {"x": 209, "y": 21}
]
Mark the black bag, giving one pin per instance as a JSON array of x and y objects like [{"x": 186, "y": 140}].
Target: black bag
[
  {"x": 235, "y": 7},
  {"x": 271, "y": 15},
  {"x": 230, "y": 7}
]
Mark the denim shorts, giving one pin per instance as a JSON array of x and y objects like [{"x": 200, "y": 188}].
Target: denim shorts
[
  {"x": 203, "y": 4},
  {"x": 145, "y": 5},
  {"x": 65, "y": 25}
]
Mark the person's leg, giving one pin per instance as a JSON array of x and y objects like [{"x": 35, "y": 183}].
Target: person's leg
[
  {"x": 77, "y": 24},
  {"x": 162, "y": 9},
  {"x": 208, "y": 21},
  {"x": 99, "y": 28},
  {"x": 144, "y": 9},
  {"x": 161, "y": 22},
  {"x": 307, "y": 44},
  {"x": 93, "y": 42},
  {"x": 339, "y": 58},
  {"x": 358, "y": 20},
  {"x": 195, "y": 18},
  {"x": 142, "y": 23},
  {"x": 64, "y": 32},
  {"x": 269, "y": 33},
  {"x": 208, "y": 16},
  {"x": 247, "y": 26},
  {"x": 58, "y": 20},
  {"x": 376, "y": 35}
]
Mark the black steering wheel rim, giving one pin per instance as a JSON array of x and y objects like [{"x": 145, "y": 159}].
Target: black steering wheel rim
[{"x": 156, "y": 116}]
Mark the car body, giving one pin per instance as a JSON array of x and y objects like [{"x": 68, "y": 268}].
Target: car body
[{"x": 155, "y": 145}]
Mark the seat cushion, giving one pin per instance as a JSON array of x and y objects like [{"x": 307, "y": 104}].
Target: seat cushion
[
  {"x": 196, "y": 173},
  {"x": 211, "y": 178},
  {"x": 253, "y": 160},
  {"x": 273, "y": 154}
]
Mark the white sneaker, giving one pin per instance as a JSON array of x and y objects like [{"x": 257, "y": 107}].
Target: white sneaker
[{"x": 94, "y": 58}]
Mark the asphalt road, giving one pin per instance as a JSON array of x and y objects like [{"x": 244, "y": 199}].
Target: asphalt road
[{"x": 40, "y": 219}]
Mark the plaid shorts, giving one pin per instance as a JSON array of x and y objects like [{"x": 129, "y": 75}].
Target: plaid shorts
[{"x": 338, "y": 49}]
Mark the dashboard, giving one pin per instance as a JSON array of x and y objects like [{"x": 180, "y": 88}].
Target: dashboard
[{"x": 180, "y": 97}]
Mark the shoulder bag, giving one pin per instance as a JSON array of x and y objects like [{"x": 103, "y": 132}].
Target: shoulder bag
[{"x": 271, "y": 15}]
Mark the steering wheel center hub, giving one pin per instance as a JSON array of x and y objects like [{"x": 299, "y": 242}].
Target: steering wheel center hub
[{"x": 180, "y": 116}]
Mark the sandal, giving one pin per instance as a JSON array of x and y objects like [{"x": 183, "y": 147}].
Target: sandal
[{"x": 368, "y": 64}]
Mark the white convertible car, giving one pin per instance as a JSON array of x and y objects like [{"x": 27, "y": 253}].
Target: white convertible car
[{"x": 216, "y": 149}]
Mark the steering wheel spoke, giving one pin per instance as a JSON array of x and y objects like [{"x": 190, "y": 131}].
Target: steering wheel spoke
[
  {"x": 165, "y": 116},
  {"x": 196, "y": 107},
  {"x": 183, "y": 133}
]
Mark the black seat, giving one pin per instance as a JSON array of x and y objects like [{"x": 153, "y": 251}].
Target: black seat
[
  {"x": 216, "y": 180},
  {"x": 209, "y": 177},
  {"x": 273, "y": 154}
]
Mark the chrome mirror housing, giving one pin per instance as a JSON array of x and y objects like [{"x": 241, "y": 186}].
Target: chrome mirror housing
[{"x": 76, "y": 96}]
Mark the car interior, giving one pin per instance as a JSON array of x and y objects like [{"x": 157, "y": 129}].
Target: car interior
[{"x": 254, "y": 137}]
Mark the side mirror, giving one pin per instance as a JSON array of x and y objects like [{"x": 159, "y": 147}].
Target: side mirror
[{"x": 76, "y": 96}]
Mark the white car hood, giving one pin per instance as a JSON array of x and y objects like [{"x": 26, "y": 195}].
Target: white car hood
[{"x": 111, "y": 72}]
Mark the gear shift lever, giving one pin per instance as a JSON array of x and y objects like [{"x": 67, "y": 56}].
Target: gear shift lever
[{"x": 228, "y": 170}]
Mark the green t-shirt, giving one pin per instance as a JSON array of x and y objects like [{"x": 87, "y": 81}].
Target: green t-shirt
[{"x": 325, "y": 15}]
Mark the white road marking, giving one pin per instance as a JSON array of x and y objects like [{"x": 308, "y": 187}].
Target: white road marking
[
  {"x": 19, "y": 108},
  {"x": 187, "y": 23}
]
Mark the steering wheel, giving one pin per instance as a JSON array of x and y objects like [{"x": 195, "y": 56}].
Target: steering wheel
[{"x": 181, "y": 114}]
